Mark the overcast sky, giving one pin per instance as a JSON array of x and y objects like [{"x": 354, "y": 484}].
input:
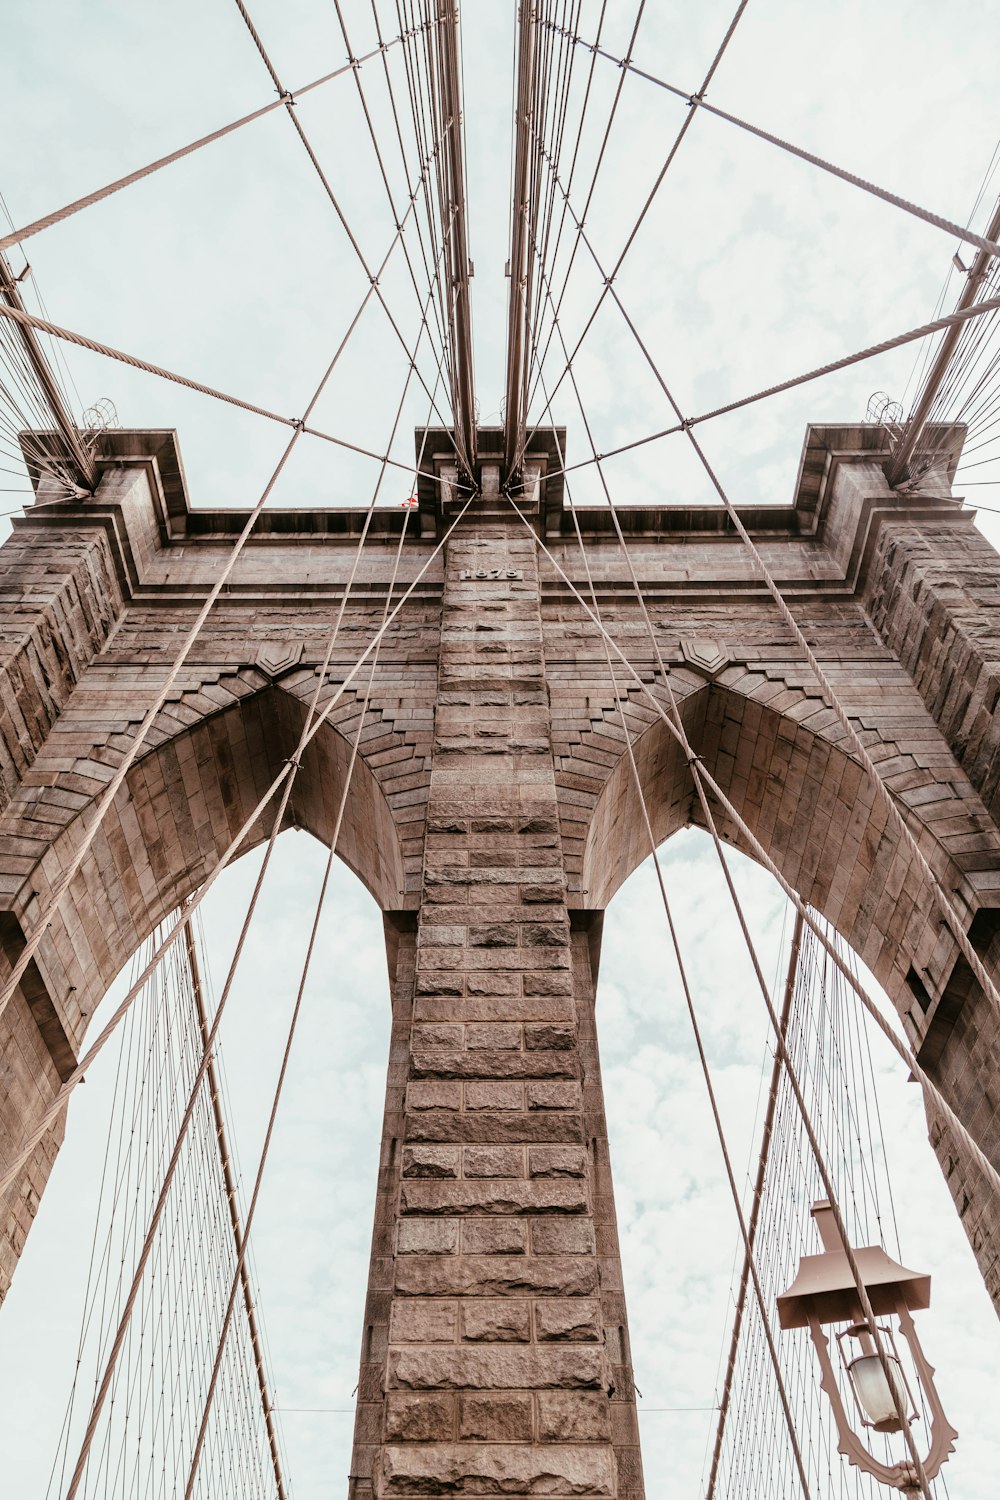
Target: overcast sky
[{"x": 230, "y": 267}]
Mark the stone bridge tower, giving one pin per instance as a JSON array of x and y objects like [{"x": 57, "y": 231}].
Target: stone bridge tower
[{"x": 493, "y": 816}]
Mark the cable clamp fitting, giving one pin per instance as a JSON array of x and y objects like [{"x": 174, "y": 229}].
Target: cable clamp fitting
[
  {"x": 287, "y": 98},
  {"x": 694, "y": 100}
]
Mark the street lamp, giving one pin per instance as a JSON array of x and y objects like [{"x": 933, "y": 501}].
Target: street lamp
[{"x": 825, "y": 1292}]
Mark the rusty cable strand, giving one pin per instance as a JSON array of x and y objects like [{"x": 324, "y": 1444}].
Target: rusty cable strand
[
  {"x": 36, "y": 226},
  {"x": 62, "y": 885},
  {"x": 667, "y": 164},
  {"x": 285, "y": 780},
  {"x": 334, "y": 201}
]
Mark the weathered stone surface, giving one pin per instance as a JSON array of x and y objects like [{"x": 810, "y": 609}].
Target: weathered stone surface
[
  {"x": 562, "y": 1237},
  {"x": 419, "y": 1236},
  {"x": 573, "y": 1416},
  {"x": 492, "y": 1276},
  {"x": 495, "y": 1418},
  {"x": 497, "y": 1321},
  {"x": 498, "y": 1368},
  {"x": 419, "y": 1418},
  {"x": 557, "y": 1161},
  {"x": 493, "y": 1161},
  {"x": 500, "y": 1236},
  {"x": 573, "y": 1319},
  {"x": 471, "y": 1469},
  {"x": 419, "y": 1322},
  {"x": 492, "y": 1197},
  {"x": 431, "y": 1161},
  {"x": 492, "y": 813}
]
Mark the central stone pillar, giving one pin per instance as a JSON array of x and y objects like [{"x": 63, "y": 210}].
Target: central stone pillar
[{"x": 495, "y": 1358}]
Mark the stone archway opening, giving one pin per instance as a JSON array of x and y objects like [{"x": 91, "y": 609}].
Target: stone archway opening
[
  {"x": 678, "y": 1231},
  {"x": 312, "y": 1233}
]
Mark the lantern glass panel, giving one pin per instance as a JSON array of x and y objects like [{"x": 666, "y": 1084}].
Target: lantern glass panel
[{"x": 873, "y": 1391}]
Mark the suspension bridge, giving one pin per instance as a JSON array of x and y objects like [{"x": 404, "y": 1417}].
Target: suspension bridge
[{"x": 493, "y": 690}]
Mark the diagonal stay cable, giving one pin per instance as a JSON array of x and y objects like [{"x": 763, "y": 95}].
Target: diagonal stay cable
[
  {"x": 335, "y": 203},
  {"x": 62, "y": 885},
  {"x": 292, "y": 1028},
  {"x": 7, "y": 241},
  {"x": 58, "y": 1104},
  {"x": 745, "y": 1232},
  {"x": 925, "y": 330},
  {"x": 312, "y": 724},
  {"x": 703, "y": 779},
  {"x": 930, "y": 1089},
  {"x": 664, "y": 169},
  {"x": 696, "y": 102}
]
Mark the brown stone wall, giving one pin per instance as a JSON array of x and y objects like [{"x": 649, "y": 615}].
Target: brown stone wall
[
  {"x": 496, "y": 1347},
  {"x": 493, "y": 816}
]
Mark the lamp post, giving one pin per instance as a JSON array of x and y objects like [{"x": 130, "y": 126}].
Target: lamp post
[{"x": 825, "y": 1292}]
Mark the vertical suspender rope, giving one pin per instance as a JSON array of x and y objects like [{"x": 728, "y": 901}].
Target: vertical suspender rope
[
  {"x": 90, "y": 833},
  {"x": 668, "y": 162},
  {"x": 233, "y": 1208},
  {"x": 331, "y": 195},
  {"x": 758, "y": 1198}
]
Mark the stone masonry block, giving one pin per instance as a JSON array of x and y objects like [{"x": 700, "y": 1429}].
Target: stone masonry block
[
  {"x": 417, "y": 1322},
  {"x": 489, "y": 1196},
  {"x": 554, "y": 1096},
  {"x": 557, "y": 1161},
  {"x": 423, "y": 1236},
  {"x": 495, "y": 1419},
  {"x": 562, "y": 1237},
  {"x": 493, "y": 1161},
  {"x": 509, "y": 1469},
  {"x": 496, "y": 1321},
  {"x": 573, "y": 1416},
  {"x": 494, "y": 1236},
  {"x": 496, "y": 1276},
  {"x": 569, "y": 1319},
  {"x": 431, "y": 1161},
  {"x": 501, "y": 1367},
  {"x": 419, "y": 1418}
]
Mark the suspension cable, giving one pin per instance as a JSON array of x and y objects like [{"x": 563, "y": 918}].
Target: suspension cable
[
  {"x": 373, "y": 277},
  {"x": 651, "y": 195},
  {"x": 68, "y": 209},
  {"x": 292, "y": 1028},
  {"x": 696, "y": 102},
  {"x": 135, "y": 745},
  {"x": 312, "y": 723}
]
